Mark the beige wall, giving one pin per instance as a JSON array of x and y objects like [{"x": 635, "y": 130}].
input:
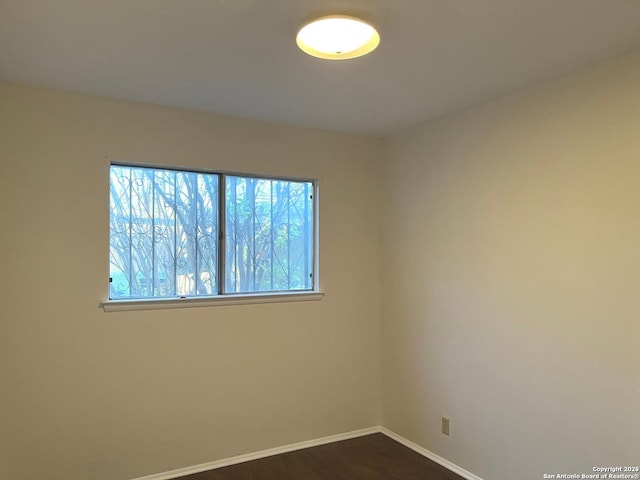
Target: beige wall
[
  {"x": 90, "y": 395},
  {"x": 512, "y": 280}
]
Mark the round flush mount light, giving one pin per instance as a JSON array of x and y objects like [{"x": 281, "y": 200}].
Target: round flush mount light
[{"x": 337, "y": 37}]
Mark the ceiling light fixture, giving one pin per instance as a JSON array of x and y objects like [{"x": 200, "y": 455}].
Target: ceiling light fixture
[{"x": 337, "y": 37}]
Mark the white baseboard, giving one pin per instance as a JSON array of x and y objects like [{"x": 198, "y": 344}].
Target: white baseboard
[
  {"x": 203, "y": 467},
  {"x": 430, "y": 455}
]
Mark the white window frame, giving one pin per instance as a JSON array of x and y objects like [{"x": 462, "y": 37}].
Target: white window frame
[{"x": 229, "y": 298}]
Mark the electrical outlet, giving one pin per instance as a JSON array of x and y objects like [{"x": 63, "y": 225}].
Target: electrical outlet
[{"x": 445, "y": 425}]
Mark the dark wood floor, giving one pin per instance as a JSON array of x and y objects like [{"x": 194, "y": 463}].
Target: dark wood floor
[{"x": 372, "y": 457}]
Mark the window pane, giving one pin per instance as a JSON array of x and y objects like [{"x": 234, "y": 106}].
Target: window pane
[
  {"x": 207, "y": 235},
  {"x": 164, "y": 230},
  {"x": 164, "y": 234},
  {"x": 269, "y": 235},
  {"x": 120, "y": 232}
]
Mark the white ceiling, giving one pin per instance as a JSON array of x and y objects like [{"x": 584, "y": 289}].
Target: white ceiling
[{"x": 239, "y": 57}]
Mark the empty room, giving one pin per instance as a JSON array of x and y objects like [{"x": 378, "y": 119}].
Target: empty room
[{"x": 296, "y": 239}]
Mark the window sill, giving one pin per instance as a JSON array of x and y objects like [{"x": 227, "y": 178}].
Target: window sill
[{"x": 191, "y": 302}]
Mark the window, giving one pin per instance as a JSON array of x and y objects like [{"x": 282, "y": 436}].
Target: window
[{"x": 180, "y": 234}]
